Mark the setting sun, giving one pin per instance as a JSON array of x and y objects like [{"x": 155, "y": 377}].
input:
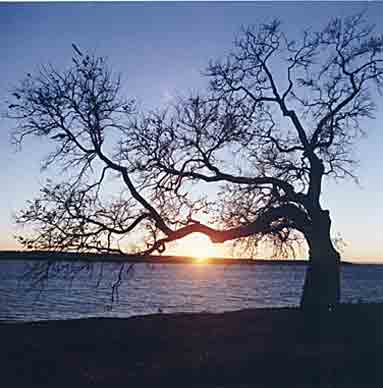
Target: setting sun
[{"x": 198, "y": 246}]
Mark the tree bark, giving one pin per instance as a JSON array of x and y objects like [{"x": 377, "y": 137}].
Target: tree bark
[{"x": 322, "y": 283}]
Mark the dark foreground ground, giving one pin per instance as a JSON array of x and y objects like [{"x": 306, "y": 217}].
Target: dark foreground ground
[{"x": 250, "y": 348}]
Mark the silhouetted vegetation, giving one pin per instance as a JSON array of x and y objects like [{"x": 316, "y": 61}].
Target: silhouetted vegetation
[{"x": 278, "y": 117}]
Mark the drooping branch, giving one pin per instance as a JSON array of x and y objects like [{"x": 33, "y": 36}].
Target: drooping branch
[
  {"x": 69, "y": 219},
  {"x": 271, "y": 220}
]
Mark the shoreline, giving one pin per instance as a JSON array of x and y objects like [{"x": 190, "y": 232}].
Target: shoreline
[
  {"x": 257, "y": 347},
  {"x": 152, "y": 259}
]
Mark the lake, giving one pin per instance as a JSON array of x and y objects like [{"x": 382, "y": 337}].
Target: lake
[{"x": 167, "y": 288}]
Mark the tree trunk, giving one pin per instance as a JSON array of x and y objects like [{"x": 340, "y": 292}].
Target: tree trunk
[{"x": 322, "y": 283}]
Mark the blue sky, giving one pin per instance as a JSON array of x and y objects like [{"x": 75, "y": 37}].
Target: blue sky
[{"x": 161, "y": 49}]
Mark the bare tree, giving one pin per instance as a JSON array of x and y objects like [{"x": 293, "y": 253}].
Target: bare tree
[{"x": 278, "y": 117}]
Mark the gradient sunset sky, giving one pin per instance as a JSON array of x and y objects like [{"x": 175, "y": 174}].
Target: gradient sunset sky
[{"x": 161, "y": 49}]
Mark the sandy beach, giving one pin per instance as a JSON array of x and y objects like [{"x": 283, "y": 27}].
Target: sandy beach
[{"x": 259, "y": 347}]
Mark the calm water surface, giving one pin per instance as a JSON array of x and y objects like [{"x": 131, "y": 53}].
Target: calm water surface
[{"x": 151, "y": 288}]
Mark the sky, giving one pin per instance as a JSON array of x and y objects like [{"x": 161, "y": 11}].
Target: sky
[{"x": 161, "y": 49}]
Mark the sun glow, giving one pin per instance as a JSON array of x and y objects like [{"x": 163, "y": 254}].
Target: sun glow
[{"x": 199, "y": 246}]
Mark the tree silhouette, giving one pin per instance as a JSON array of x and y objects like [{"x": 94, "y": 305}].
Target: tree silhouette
[{"x": 279, "y": 115}]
